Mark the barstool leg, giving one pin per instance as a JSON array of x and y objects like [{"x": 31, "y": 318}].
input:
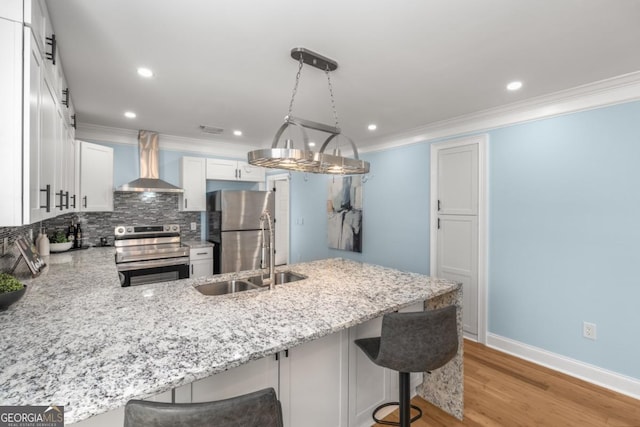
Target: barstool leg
[{"x": 405, "y": 402}]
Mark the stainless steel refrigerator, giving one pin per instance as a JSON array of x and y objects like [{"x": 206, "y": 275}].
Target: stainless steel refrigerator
[{"x": 233, "y": 218}]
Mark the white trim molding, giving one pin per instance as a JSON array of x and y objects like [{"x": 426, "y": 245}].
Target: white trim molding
[
  {"x": 616, "y": 90},
  {"x": 483, "y": 220},
  {"x": 114, "y": 135},
  {"x": 612, "y": 380}
]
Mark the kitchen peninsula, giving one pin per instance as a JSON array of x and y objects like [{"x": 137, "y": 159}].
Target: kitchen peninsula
[{"x": 80, "y": 340}]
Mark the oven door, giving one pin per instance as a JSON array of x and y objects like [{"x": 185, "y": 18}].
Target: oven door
[{"x": 153, "y": 271}]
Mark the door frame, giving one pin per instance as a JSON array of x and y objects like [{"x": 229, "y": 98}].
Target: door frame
[
  {"x": 270, "y": 182},
  {"x": 483, "y": 145}
]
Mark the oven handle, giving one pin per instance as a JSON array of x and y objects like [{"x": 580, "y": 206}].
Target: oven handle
[{"x": 137, "y": 265}]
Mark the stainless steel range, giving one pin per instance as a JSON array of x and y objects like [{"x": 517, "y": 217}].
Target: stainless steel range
[{"x": 150, "y": 253}]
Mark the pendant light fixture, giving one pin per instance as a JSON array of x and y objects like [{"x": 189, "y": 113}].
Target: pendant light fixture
[{"x": 287, "y": 156}]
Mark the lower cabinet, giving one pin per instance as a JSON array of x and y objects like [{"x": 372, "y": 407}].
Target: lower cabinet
[
  {"x": 371, "y": 385},
  {"x": 252, "y": 376},
  {"x": 201, "y": 262},
  {"x": 314, "y": 382},
  {"x": 325, "y": 382}
]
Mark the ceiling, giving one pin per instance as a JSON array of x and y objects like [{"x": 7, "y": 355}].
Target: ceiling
[{"x": 402, "y": 64}]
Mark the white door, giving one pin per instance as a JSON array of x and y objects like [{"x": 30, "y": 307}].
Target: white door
[
  {"x": 281, "y": 189},
  {"x": 193, "y": 181},
  {"x": 457, "y": 225}
]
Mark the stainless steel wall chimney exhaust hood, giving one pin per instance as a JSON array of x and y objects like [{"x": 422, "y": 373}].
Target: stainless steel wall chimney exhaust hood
[{"x": 149, "y": 180}]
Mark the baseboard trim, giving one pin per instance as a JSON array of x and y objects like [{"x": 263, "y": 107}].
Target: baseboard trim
[{"x": 612, "y": 380}]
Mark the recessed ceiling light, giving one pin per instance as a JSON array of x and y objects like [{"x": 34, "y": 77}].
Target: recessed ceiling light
[
  {"x": 130, "y": 115},
  {"x": 145, "y": 72},
  {"x": 311, "y": 144},
  {"x": 372, "y": 127},
  {"x": 237, "y": 132},
  {"x": 514, "y": 85}
]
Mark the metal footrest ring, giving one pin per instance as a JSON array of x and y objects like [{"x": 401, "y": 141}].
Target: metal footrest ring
[{"x": 393, "y": 423}]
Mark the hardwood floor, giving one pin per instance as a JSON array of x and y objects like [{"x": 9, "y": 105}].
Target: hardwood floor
[{"x": 502, "y": 390}]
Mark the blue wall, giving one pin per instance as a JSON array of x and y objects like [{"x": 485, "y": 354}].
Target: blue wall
[{"x": 564, "y": 206}]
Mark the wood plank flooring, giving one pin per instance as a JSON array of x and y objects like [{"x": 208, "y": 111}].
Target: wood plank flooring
[{"x": 502, "y": 390}]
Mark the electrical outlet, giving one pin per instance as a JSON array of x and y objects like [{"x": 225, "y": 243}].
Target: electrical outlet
[
  {"x": 193, "y": 226},
  {"x": 589, "y": 330}
]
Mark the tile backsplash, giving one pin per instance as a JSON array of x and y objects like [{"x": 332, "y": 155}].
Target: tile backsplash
[{"x": 128, "y": 209}]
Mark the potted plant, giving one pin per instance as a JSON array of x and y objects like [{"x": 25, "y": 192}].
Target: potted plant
[
  {"x": 11, "y": 290},
  {"x": 59, "y": 242}
]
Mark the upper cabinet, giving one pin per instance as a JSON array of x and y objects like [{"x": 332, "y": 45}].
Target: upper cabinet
[
  {"x": 193, "y": 182},
  {"x": 11, "y": 10},
  {"x": 11, "y": 123},
  {"x": 234, "y": 170},
  {"x": 96, "y": 178},
  {"x": 39, "y": 172}
]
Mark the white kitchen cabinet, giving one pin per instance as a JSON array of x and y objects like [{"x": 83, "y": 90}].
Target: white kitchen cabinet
[
  {"x": 11, "y": 69},
  {"x": 193, "y": 181},
  {"x": 96, "y": 177},
  {"x": 314, "y": 382},
  {"x": 371, "y": 385},
  {"x": 234, "y": 170},
  {"x": 115, "y": 417},
  {"x": 11, "y": 10},
  {"x": 247, "y": 378},
  {"x": 33, "y": 124},
  {"x": 201, "y": 262}
]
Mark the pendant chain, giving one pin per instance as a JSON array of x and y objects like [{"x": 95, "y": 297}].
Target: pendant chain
[{"x": 295, "y": 87}]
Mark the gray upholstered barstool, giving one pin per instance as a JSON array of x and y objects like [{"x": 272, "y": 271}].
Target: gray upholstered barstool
[
  {"x": 412, "y": 342},
  {"x": 257, "y": 409}
]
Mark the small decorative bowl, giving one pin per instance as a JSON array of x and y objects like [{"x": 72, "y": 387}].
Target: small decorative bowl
[
  {"x": 60, "y": 247},
  {"x": 8, "y": 298}
]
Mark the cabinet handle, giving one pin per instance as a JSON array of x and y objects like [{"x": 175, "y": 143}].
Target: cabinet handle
[
  {"x": 277, "y": 358},
  {"x": 65, "y": 97},
  {"x": 192, "y": 269},
  {"x": 185, "y": 203},
  {"x": 61, "y": 195},
  {"x": 84, "y": 201},
  {"x": 47, "y": 190},
  {"x": 51, "y": 41},
  {"x": 74, "y": 201},
  {"x": 236, "y": 173},
  {"x": 286, "y": 353},
  {"x": 66, "y": 204},
  {"x": 201, "y": 253},
  {"x": 438, "y": 204},
  {"x": 438, "y": 223},
  {"x": 239, "y": 173},
  {"x": 73, "y": 125}
]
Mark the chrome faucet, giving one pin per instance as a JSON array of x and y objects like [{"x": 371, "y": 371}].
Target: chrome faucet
[{"x": 267, "y": 248}]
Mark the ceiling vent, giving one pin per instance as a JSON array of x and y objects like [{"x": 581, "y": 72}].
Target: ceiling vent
[{"x": 211, "y": 129}]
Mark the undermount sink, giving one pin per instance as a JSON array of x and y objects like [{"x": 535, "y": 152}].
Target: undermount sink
[
  {"x": 247, "y": 284},
  {"x": 281, "y": 277},
  {"x": 226, "y": 287}
]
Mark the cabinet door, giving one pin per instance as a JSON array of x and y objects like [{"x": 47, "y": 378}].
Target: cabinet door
[
  {"x": 247, "y": 378},
  {"x": 194, "y": 183},
  {"x": 201, "y": 268},
  {"x": 370, "y": 385},
  {"x": 222, "y": 169},
  {"x": 96, "y": 177},
  {"x": 49, "y": 134},
  {"x": 314, "y": 383},
  {"x": 11, "y": 9},
  {"x": 32, "y": 126},
  {"x": 247, "y": 172}
]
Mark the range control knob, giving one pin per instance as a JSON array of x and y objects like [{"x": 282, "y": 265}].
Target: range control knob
[
  {"x": 129, "y": 229},
  {"x": 167, "y": 227},
  {"x": 174, "y": 228},
  {"x": 120, "y": 230}
]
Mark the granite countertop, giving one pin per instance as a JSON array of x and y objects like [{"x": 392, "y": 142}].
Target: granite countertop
[
  {"x": 197, "y": 244},
  {"x": 80, "y": 340}
]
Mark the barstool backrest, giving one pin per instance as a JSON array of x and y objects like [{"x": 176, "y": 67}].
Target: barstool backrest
[
  {"x": 420, "y": 341},
  {"x": 257, "y": 409}
]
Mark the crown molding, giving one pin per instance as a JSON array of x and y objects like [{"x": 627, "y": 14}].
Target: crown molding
[
  {"x": 616, "y": 90},
  {"x": 98, "y": 133}
]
